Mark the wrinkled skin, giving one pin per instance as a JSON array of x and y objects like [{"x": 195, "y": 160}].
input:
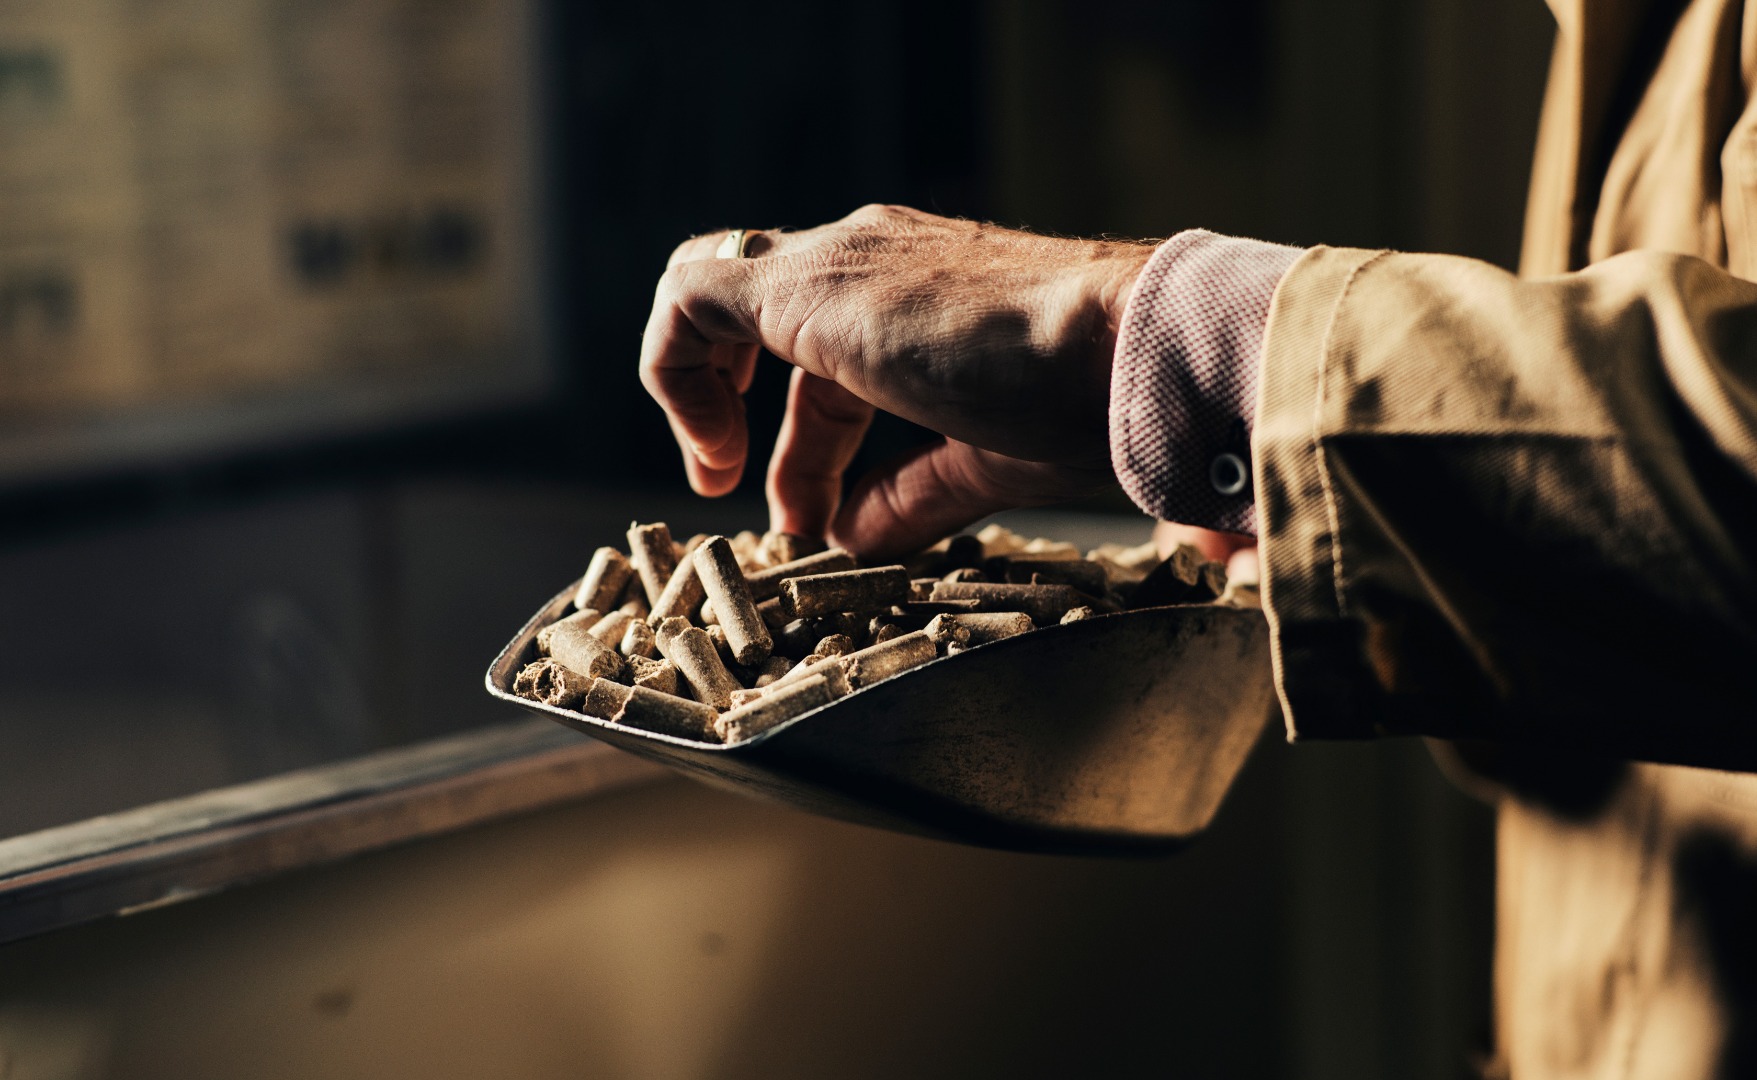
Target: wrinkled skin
[{"x": 1000, "y": 340}]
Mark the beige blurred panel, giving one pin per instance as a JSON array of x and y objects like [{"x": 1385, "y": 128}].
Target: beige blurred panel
[
  {"x": 672, "y": 932},
  {"x": 201, "y": 199},
  {"x": 380, "y": 155},
  {"x": 69, "y": 279}
]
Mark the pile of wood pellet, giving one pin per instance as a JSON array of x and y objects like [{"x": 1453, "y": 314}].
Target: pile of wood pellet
[{"x": 721, "y": 639}]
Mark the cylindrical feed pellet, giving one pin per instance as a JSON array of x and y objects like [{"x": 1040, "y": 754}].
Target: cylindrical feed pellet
[
  {"x": 775, "y": 667},
  {"x": 605, "y": 577},
  {"x": 1080, "y": 574},
  {"x": 638, "y": 640},
  {"x": 767, "y": 583},
  {"x": 666, "y": 714},
  {"x": 845, "y": 591},
  {"x": 574, "y": 647},
  {"x": 611, "y": 627},
  {"x": 1046, "y": 604},
  {"x": 660, "y": 675},
  {"x": 690, "y": 648},
  {"x": 826, "y": 667},
  {"x": 654, "y": 556},
  {"x": 773, "y": 709},
  {"x": 604, "y": 699},
  {"x": 780, "y": 547},
  {"x": 834, "y": 645},
  {"x": 899, "y": 654},
  {"x": 682, "y": 593},
  {"x": 946, "y": 630},
  {"x": 724, "y": 584},
  {"x": 994, "y": 625},
  {"x": 552, "y": 684},
  {"x": 585, "y": 620}
]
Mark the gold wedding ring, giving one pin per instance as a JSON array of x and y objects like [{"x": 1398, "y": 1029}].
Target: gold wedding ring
[{"x": 735, "y": 246}]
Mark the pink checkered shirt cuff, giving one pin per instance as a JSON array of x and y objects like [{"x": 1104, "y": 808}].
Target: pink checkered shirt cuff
[{"x": 1183, "y": 387}]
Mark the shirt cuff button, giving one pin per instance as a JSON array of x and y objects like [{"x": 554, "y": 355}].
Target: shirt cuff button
[{"x": 1228, "y": 473}]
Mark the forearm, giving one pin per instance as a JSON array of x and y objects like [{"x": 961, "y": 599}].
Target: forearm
[{"x": 1513, "y": 509}]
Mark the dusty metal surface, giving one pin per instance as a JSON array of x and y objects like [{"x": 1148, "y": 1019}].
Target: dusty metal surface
[{"x": 1119, "y": 733}]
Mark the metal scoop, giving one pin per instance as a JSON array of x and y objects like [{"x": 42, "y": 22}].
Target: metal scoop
[{"x": 1117, "y": 733}]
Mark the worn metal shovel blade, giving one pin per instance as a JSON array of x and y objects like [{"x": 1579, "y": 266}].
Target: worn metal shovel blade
[{"x": 1117, "y": 733}]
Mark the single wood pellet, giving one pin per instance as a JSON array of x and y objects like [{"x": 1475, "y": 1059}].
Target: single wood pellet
[
  {"x": 1088, "y": 577},
  {"x": 658, "y": 675},
  {"x": 666, "y": 714},
  {"x": 585, "y": 620},
  {"x": 654, "y": 556},
  {"x": 611, "y": 627},
  {"x": 773, "y": 668},
  {"x": 774, "y": 708},
  {"x": 947, "y": 630},
  {"x": 682, "y": 595},
  {"x": 834, "y": 645},
  {"x": 893, "y": 657},
  {"x": 605, "y": 578},
  {"x": 993, "y": 626},
  {"x": 690, "y": 648},
  {"x": 552, "y": 684},
  {"x": 574, "y": 647},
  {"x": 1045, "y": 604},
  {"x": 604, "y": 699},
  {"x": 778, "y": 548},
  {"x": 724, "y": 584},
  {"x": 766, "y": 583},
  {"x": 828, "y": 667},
  {"x": 638, "y": 640},
  {"x": 845, "y": 590}
]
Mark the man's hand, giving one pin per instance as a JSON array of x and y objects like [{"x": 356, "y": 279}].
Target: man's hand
[{"x": 999, "y": 340}]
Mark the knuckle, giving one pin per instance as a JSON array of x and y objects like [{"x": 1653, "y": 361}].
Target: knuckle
[
  {"x": 685, "y": 285},
  {"x": 714, "y": 296},
  {"x": 671, "y": 284},
  {"x": 880, "y": 214}
]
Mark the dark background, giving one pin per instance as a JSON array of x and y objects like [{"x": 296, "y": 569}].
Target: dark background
[{"x": 174, "y": 625}]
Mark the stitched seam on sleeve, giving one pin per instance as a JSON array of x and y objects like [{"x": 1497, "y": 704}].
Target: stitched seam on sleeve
[{"x": 1332, "y": 510}]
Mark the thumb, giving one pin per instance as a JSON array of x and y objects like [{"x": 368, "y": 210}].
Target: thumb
[{"x": 904, "y": 506}]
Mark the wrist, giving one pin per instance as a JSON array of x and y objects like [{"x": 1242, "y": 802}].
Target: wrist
[
  {"x": 1085, "y": 304},
  {"x": 1116, "y": 283}
]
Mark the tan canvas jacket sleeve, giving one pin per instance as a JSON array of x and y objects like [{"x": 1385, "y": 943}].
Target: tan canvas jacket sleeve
[{"x": 1516, "y": 509}]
